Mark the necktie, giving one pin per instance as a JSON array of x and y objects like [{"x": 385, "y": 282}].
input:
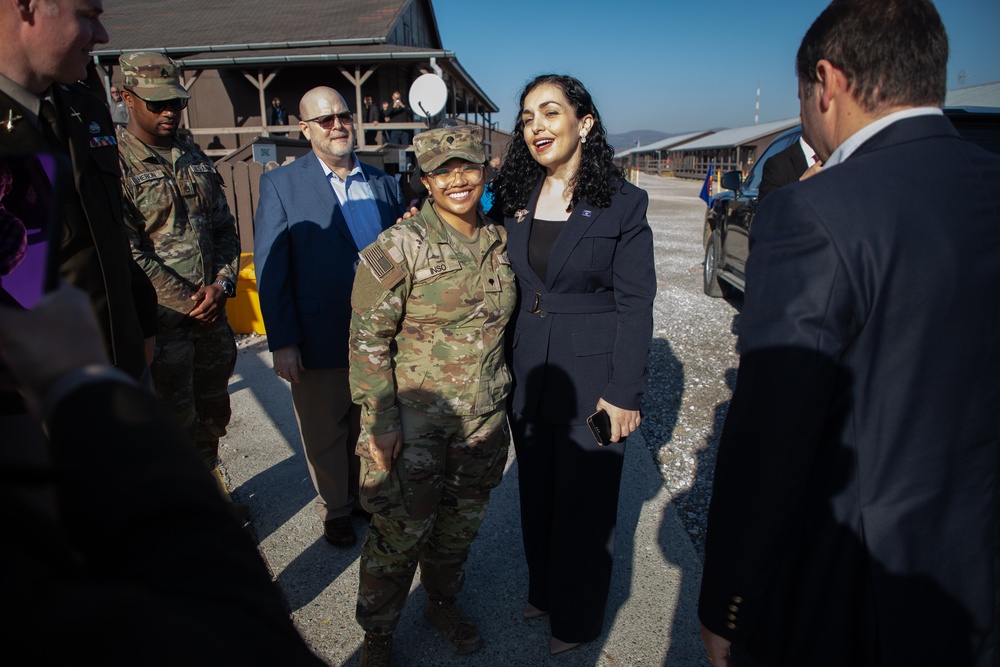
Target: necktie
[{"x": 50, "y": 122}]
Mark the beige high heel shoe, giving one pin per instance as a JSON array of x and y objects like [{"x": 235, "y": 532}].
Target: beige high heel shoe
[
  {"x": 559, "y": 646},
  {"x": 531, "y": 611}
]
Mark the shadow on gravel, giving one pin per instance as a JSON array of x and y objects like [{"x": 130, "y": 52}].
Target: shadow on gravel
[
  {"x": 277, "y": 494},
  {"x": 667, "y": 384}
]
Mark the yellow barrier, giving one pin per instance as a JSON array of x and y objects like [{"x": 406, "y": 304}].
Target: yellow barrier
[{"x": 243, "y": 311}]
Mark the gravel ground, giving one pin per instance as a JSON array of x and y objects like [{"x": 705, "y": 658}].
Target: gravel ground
[{"x": 692, "y": 366}]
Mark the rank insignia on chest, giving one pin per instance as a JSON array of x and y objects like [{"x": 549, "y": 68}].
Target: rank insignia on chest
[
  {"x": 11, "y": 119},
  {"x": 103, "y": 140}
]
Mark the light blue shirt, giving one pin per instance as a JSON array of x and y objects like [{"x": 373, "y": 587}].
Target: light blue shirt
[
  {"x": 357, "y": 203},
  {"x": 853, "y": 142}
]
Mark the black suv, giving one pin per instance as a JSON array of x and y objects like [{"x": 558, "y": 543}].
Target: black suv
[{"x": 730, "y": 214}]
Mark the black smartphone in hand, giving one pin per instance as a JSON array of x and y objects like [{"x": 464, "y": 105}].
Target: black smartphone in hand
[{"x": 600, "y": 426}]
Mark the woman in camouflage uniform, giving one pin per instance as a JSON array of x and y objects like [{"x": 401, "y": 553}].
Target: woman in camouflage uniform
[{"x": 431, "y": 299}]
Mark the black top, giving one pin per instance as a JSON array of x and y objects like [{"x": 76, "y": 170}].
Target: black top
[{"x": 543, "y": 236}]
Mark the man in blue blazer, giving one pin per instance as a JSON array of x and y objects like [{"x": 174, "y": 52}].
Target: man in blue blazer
[
  {"x": 854, "y": 516},
  {"x": 313, "y": 217}
]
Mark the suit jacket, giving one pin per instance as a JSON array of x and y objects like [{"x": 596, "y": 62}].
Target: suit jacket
[
  {"x": 305, "y": 258},
  {"x": 95, "y": 254},
  {"x": 782, "y": 168},
  {"x": 854, "y": 517},
  {"x": 176, "y": 583},
  {"x": 591, "y": 335}
]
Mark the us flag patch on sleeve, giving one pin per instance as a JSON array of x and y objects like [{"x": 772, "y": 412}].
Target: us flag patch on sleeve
[{"x": 382, "y": 266}]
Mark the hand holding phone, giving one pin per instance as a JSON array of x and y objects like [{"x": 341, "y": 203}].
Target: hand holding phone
[{"x": 600, "y": 426}]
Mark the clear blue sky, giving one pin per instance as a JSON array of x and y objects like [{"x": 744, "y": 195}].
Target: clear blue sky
[{"x": 672, "y": 65}]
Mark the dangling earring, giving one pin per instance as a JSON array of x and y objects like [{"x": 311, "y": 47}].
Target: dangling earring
[{"x": 583, "y": 137}]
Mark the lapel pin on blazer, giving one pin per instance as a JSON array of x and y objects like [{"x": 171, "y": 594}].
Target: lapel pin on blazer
[
  {"x": 586, "y": 213},
  {"x": 11, "y": 119},
  {"x": 521, "y": 214}
]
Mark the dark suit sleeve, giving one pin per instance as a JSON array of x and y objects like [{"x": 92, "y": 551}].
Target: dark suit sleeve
[
  {"x": 144, "y": 296},
  {"x": 172, "y": 567},
  {"x": 771, "y": 180},
  {"x": 794, "y": 326},
  {"x": 273, "y": 265},
  {"x": 635, "y": 286}
]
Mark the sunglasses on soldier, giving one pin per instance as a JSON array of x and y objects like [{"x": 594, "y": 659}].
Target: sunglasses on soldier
[{"x": 177, "y": 104}]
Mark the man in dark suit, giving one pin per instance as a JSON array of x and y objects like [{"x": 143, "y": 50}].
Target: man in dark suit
[
  {"x": 42, "y": 56},
  {"x": 788, "y": 166},
  {"x": 854, "y": 516},
  {"x": 313, "y": 217}
]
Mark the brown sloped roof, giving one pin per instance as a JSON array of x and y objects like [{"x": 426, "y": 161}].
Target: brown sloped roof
[
  {"x": 201, "y": 24},
  {"x": 347, "y": 53}
]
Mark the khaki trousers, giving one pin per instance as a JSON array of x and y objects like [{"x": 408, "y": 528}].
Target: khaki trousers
[{"x": 329, "y": 424}]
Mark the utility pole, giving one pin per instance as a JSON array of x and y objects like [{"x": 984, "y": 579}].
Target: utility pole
[{"x": 756, "y": 109}]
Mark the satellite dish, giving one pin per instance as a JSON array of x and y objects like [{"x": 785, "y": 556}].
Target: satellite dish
[{"x": 428, "y": 95}]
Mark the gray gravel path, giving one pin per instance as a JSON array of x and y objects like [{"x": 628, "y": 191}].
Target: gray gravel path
[{"x": 693, "y": 360}]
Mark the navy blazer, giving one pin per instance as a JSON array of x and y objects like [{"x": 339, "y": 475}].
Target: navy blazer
[
  {"x": 782, "y": 168},
  {"x": 854, "y": 518},
  {"x": 305, "y": 258},
  {"x": 590, "y": 334}
]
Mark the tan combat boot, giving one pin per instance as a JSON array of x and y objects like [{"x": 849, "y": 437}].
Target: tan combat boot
[
  {"x": 375, "y": 650},
  {"x": 460, "y": 633}
]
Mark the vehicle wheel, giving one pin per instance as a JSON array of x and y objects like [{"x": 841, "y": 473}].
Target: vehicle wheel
[{"x": 713, "y": 285}]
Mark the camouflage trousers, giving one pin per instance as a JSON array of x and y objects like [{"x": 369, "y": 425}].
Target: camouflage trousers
[
  {"x": 192, "y": 364},
  {"x": 427, "y": 509}
]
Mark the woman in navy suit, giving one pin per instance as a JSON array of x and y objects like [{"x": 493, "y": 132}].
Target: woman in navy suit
[{"x": 582, "y": 252}]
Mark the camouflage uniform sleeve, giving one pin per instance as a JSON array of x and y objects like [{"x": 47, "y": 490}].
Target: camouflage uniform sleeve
[
  {"x": 381, "y": 287},
  {"x": 172, "y": 291},
  {"x": 225, "y": 238}
]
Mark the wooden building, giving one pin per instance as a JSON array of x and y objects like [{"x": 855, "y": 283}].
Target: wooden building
[
  {"x": 654, "y": 158},
  {"x": 736, "y": 148},
  {"x": 236, "y": 57}
]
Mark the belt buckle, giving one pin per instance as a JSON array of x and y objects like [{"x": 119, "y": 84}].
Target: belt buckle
[{"x": 534, "y": 307}]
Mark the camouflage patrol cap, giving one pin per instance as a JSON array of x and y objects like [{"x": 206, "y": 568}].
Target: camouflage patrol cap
[
  {"x": 151, "y": 76},
  {"x": 435, "y": 147}
]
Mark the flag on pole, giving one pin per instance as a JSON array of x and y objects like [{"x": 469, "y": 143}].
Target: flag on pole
[{"x": 706, "y": 188}]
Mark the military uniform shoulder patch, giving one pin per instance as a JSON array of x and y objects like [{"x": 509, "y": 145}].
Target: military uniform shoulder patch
[{"x": 385, "y": 269}]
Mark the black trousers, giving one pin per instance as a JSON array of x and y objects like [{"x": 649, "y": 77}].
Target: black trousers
[{"x": 569, "y": 505}]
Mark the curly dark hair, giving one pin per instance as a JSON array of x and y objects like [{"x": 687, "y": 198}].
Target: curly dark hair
[{"x": 597, "y": 177}]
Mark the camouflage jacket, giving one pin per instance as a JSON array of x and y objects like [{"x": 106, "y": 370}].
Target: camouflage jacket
[
  {"x": 177, "y": 219},
  {"x": 428, "y": 322}
]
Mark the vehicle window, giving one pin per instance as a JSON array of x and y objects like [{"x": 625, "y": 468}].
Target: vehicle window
[{"x": 757, "y": 171}]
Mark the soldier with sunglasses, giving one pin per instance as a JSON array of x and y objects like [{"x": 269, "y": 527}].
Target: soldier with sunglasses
[{"x": 184, "y": 236}]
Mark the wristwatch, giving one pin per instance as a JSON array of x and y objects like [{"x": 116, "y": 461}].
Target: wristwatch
[{"x": 228, "y": 287}]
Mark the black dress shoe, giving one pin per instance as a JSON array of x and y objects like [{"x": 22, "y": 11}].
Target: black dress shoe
[
  {"x": 339, "y": 532},
  {"x": 362, "y": 514}
]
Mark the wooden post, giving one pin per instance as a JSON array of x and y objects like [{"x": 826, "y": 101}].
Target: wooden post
[
  {"x": 261, "y": 84},
  {"x": 358, "y": 79}
]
